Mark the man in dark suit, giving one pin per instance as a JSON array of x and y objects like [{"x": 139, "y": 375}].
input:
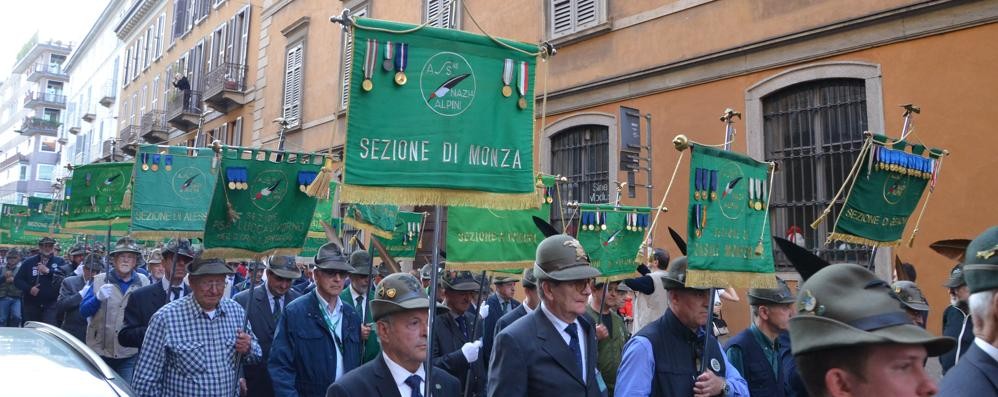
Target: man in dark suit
[
  {"x": 353, "y": 296},
  {"x": 551, "y": 351},
  {"x": 268, "y": 302},
  {"x": 456, "y": 345},
  {"x": 39, "y": 279},
  {"x": 497, "y": 305},
  {"x": 530, "y": 303},
  {"x": 147, "y": 300},
  {"x": 400, "y": 311},
  {"x": 71, "y": 294},
  {"x": 977, "y": 371}
]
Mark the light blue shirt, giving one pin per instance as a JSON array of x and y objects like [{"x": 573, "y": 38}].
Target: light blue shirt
[{"x": 637, "y": 370}]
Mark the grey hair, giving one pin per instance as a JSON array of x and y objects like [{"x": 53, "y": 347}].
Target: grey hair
[{"x": 980, "y": 304}]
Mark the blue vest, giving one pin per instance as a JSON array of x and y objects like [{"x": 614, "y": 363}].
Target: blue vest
[
  {"x": 674, "y": 347},
  {"x": 755, "y": 367}
]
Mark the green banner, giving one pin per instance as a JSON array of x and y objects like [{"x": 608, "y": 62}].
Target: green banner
[
  {"x": 259, "y": 206},
  {"x": 323, "y": 213},
  {"x": 98, "y": 194},
  {"x": 406, "y": 237},
  {"x": 379, "y": 220},
  {"x": 13, "y": 219},
  {"x": 173, "y": 189},
  {"x": 483, "y": 239},
  {"x": 445, "y": 131},
  {"x": 612, "y": 237},
  {"x": 312, "y": 244},
  {"x": 729, "y": 234},
  {"x": 886, "y": 190},
  {"x": 45, "y": 217}
]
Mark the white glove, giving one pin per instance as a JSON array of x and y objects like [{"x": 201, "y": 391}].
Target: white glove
[
  {"x": 483, "y": 311},
  {"x": 105, "y": 292},
  {"x": 79, "y": 270},
  {"x": 83, "y": 292},
  {"x": 470, "y": 350}
]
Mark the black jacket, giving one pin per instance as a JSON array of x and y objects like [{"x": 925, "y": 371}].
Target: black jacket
[
  {"x": 68, "y": 306},
  {"x": 374, "y": 379},
  {"x": 975, "y": 375},
  {"x": 48, "y": 284},
  {"x": 263, "y": 323},
  {"x": 447, "y": 342},
  {"x": 141, "y": 306}
]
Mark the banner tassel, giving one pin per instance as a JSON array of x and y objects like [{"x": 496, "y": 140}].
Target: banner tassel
[
  {"x": 126, "y": 200},
  {"x": 231, "y": 211},
  {"x": 320, "y": 186}
]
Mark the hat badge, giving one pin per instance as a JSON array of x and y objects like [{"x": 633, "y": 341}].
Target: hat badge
[
  {"x": 580, "y": 254},
  {"x": 715, "y": 365},
  {"x": 988, "y": 253},
  {"x": 807, "y": 303},
  {"x": 391, "y": 293}
]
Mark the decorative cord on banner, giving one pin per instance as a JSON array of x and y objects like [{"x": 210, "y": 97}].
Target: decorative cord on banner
[
  {"x": 769, "y": 196},
  {"x": 681, "y": 143},
  {"x": 849, "y": 181},
  {"x": 932, "y": 188}
]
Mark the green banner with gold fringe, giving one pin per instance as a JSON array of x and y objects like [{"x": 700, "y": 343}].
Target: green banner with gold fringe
[
  {"x": 405, "y": 239},
  {"x": 173, "y": 190},
  {"x": 45, "y": 218},
  {"x": 729, "y": 235},
  {"x": 450, "y": 123},
  {"x": 323, "y": 214},
  {"x": 890, "y": 181},
  {"x": 612, "y": 236},
  {"x": 259, "y": 206},
  {"x": 379, "y": 220},
  {"x": 13, "y": 219},
  {"x": 99, "y": 193}
]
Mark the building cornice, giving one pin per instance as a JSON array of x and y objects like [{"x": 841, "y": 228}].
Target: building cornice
[{"x": 134, "y": 17}]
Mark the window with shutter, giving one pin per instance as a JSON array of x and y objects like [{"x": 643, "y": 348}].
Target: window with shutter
[
  {"x": 292, "y": 85},
  {"x": 125, "y": 71},
  {"x": 244, "y": 18},
  {"x": 441, "y": 13},
  {"x": 570, "y": 16},
  {"x": 347, "y": 63},
  {"x": 160, "y": 25},
  {"x": 237, "y": 132},
  {"x": 179, "y": 18}
]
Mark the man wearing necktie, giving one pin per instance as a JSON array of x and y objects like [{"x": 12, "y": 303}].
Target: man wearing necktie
[
  {"x": 455, "y": 344},
  {"x": 147, "y": 300},
  {"x": 399, "y": 309},
  {"x": 551, "y": 351},
  {"x": 268, "y": 303},
  {"x": 360, "y": 279},
  {"x": 497, "y": 305}
]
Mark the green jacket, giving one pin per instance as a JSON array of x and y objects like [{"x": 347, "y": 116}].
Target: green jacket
[
  {"x": 610, "y": 351},
  {"x": 372, "y": 348}
]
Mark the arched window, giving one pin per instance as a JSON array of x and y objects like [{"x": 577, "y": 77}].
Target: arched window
[{"x": 814, "y": 131}]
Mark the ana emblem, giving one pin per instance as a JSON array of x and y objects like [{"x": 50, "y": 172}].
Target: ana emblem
[
  {"x": 391, "y": 293},
  {"x": 580, "y": 254},
  {"x": 447, "y": 83},
  {"x": 987, "y": 254}
]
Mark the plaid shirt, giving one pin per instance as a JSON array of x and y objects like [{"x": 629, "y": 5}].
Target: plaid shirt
[{"x": 186, "y": 353}]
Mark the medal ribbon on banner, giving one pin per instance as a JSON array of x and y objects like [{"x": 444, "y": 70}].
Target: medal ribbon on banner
[{"x": 370, "y": 57}]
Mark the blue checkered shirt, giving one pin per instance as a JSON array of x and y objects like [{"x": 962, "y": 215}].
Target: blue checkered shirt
[{"x": 186, "y": 353}]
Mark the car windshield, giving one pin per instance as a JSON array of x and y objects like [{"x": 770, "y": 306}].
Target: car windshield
[{"x": 40, "y": 364}]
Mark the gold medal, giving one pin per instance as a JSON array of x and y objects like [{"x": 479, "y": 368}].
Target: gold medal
[
  {"x": 244, "y": 185},
  {"x": 550, "y": 200},
  {"x": 367, "y": 85},
  {"x": 602, "y": 227},
  {"x": 758, "y": 205},
  {"x": 698, "y": 233},
  {"x": 232, "y": 185},
  {"x": 522, "y": 103},
  {"x": 302, "y": 188},
  {"x": 751, "y": 204},
  {"x": 167, "y": 167},
  {"x": 696, "y": 195},
  {"x": 400, "y": 78},
  {"x": 507, "y": 91},
  {"x": 713, "y": 196},
  {"x": 145, "y": 167},
  {"x": 154, "y": 166}
]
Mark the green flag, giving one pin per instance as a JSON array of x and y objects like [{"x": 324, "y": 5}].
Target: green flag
[
  {"x": 312, "y": 244},
  {"x": 323, "y": 214},
  {"x": 441, "y": 131},
  {"x": 171, "y": 199},
  {"x": 45, "y": 217},
  {"x": 885, "y": 191},
  {"x": 259, "y": 206},
  {"x": 405, "y": 240},
  {"x": 98, "y": 194},
  {"x": 13, "y": 219},
  {"x": 729, "y": 235},
  {"x": 483, "y": 239},
  {"x": 379, "y": 220},
  {"x": 612, "y": 236}
]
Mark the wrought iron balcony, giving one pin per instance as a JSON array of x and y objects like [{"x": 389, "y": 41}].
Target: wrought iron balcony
[
  {"x": 52, "y": 71},
  {"x": 183, "y": 110},
  {"x": 154, "y": 128},
  {"x": 110, "y": 153},
  {"x": 34, "y": 100},
  {"x": 39, "y": 126},
  {"x": 225, "y": 88},
  {"x": 128, "y": 139}
]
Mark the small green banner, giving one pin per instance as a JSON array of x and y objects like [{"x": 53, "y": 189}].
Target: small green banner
[
  {"x": 406, "y": 237},
  {"x": 13, "y": 219},
  {"x": 323, "y": 213},
  {"x": 173, "y": 189},
  {"x": 886, "y": 190},
  {"x": 483, "y": 239},
  {"x": 259, "y": 206},
  {"x": 45, "y": 217},
  {"x": 450, "y": 124},
  {"x": 612, "y": 236},
  {"x": 98, "y": 194},
  {"x": 379, "y": 220},
  {"x": 729, "y": 233}
]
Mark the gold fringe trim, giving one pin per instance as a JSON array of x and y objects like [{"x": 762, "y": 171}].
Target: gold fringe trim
[
  {"x": 242, "y": 254},
  {"x": 491, "y": 266},
  {"x": 848, "y": 238},
  {"x": 432, "y": 196},
  {"x": 155, "y": 234},
  {"x": 619, "y": 277},
  {"x": 719, "y": 279},
  {"x": 319, "y": 188},
  {"x": 367, "y": 227},
  {"x": 314, "y": 234},
  {"x": 46, "y": 234},
  {"x": 77, "y": 225}
]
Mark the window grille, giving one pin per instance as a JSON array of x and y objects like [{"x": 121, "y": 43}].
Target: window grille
[{"x": 581, "y": 154}]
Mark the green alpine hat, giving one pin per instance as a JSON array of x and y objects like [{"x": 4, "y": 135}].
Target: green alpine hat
[
  {"x": 910, "y": 295},
  {"x": 499, "y": 280},
  {"x": 255, "y": 265},
  {"x": 400, "y": 292},
  {"x": 766, "y": 296},
  {"x": 675, "y": 275},
  {"x": 284, "y": 266},
  {"x": 956, "y": 278},
  {"x": 93, "y": 262},
  {"x": 77, "y": 249},
  {"x": 180, "y": 247},
  {"x": 209, "y": 266},
  {"x": 529, "y": 281},
  {"x": 155, "y": 256},
  {"x": 46, "y": 240},
  {"x": 361, "y": 262},
  {"x": 125, "y": 244},
  {"x": 462, "y": 281},
  {"x": 331, "y": 257},
  {"x": 981, "y": 262},
  {"x": 846, "y": 305},
  {"x": 562, "y": 258}
]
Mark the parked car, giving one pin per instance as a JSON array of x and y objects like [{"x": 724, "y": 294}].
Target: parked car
[{"x": 43, "y": 360}]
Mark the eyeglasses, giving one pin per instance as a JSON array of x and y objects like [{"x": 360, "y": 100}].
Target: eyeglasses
[
  {"x": 334, "y": 272},
  {"x": 208, "y": 285},
  {"x": 579, "y": 285}
]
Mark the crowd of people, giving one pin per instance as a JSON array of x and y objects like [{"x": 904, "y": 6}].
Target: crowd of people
[{"x": 173, "y": 322}]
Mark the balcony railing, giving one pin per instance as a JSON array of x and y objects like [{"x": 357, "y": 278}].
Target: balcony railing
[
  {"x": 38, "y": 125},
  {"x": 52, "y": 71},
  {"x": 108, "y": 95},
  {"x": 184, "y": 109},
  {"x": 107, "y": 150},
  {"x": 34, "y": 99},
  {"x": 225, "y": 88},
  {"x": 154, "y": 128},
  {"x": 128, "y": 139}
]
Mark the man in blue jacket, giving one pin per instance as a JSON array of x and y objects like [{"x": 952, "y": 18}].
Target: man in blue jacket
[
  {"x": 318, "y": 337},
  {"x": 40, "y": 278}
]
